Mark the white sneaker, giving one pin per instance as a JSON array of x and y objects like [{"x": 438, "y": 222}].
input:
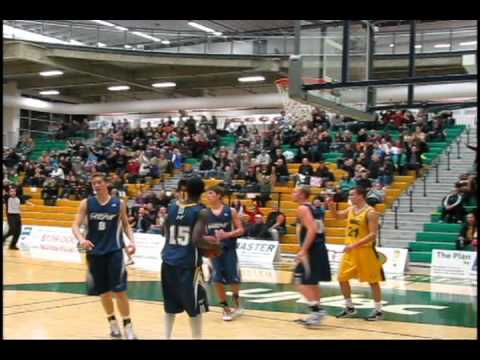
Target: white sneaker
[
  {"x": 238, "y": 312},
  {"x": 129, "y": 333},
  {"x": 227, "y": 315},
  {"x": 315, "y": 318},
  {"x": 115, "y": 332}
]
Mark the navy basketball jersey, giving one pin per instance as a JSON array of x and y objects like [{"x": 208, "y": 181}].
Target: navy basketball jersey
[
  {"x": 179, "y": 249},
  {"x": 319, "y": 216},
  {"x": 222, "y": 222},
  {"x": 104, "y": 228}
]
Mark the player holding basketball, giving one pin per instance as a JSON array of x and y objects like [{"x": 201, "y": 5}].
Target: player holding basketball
[
  {"x": 224, "y": 223},
  {"x": 107, "y": 275},
  {"x": 360, "y": 260},
  {"x": 312, "y": 259},
  {"x": 185, "y": 233}
]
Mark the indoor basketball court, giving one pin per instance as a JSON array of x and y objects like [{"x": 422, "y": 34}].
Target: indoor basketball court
[
  {"x": 46, "y": 300},
  {"x": 236, "y": 84}
]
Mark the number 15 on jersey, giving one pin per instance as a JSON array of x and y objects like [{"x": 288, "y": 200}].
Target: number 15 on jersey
[{"x": 182, "y": 236}]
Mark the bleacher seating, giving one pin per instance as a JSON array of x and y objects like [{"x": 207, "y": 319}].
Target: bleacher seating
[{"x": 64, "y": 213}]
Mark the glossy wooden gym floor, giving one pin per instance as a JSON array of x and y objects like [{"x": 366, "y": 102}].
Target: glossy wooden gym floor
[{"x": 45, "y": 300}]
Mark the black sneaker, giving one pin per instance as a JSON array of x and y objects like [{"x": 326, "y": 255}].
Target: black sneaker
[
  {"x": 14, "y": 248},
  {"x": 299, "y": 321},
  {"x": 375, "y": 315},
  {"x": 346, "y": 312}
]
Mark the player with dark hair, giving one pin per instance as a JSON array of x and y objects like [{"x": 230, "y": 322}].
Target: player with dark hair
[
  {"x": 185, "y": 235},
  {"x": 312, "y": 259},
  {"x": 361, "y": 260},
  {"x": 107, "y": 275},
  {"x": 224, "y": 223}
]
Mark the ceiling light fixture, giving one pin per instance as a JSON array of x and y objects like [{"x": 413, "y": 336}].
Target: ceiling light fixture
[
  {"x": 418, "y": 46},
  {"x": 392, "y": 45},
  {"x": 127, "y": 46},
  {"x": 100, "y": 44},
  {"x": 204, "y": 28},
  {"x": 75, "y": 42},
  {"x": 102, "y": 22},
  {"x": 106, "y": 23},
  {"x": 468, "y": 43},
  {"x": 164, "y": 85},
  {"x": 166, "y": 42},
  {"x": 51, "y": 73},
  {"x": 49, "y": 92},
  {"x": 251, "y": 78},
  {"x": 439, "y": 46},
  {"x": 146, "y": 36},
  {"x": 119, "y": 88}
]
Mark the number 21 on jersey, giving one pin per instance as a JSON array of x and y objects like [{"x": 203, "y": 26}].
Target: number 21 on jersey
[
  {"x": 353, "y": 232},
  {"x": 182, "y": 237}
]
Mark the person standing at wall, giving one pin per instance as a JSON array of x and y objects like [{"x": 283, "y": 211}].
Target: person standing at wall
[{"x": 14, "y": 218}]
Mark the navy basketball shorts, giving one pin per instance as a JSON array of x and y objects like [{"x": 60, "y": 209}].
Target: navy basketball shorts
[
  {"x": 183, "y": 290},
  {"x": 106, "y": 273},
  {"x": 316, "y": 267},
  {"x": 225, "y": 267}
]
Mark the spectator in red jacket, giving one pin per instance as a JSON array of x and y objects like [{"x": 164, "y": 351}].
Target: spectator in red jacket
[{"x": 133, "y": 169}]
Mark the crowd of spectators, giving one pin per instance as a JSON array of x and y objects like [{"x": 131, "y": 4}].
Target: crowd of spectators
[
  {"x": 258, "y": 157},
  {"x": 68, "y": 129},
  {"x": 454, "y": 210}
]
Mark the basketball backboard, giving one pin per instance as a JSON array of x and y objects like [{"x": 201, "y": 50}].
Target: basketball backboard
[{"x": 321, "y": 56}]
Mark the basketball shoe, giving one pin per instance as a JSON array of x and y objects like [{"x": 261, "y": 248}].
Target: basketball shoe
[
  {"x": 227, "y": 314},
  {"x": 346, "y": 312},
  {"x": 129, "y": 333},
  {"x": 238, "y": 312},
  {"x": 315, "y": 318},
  {"x": 115, "y": 332},
  {"x": 375, "y": 315}
]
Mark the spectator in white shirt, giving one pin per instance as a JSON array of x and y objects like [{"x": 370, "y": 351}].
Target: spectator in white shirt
[{"x": 263, "y": 158}]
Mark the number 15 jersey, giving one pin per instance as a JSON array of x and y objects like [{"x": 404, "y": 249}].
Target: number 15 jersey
[{"x": 179, "y": 249}]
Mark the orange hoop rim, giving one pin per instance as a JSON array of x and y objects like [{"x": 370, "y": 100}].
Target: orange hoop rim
[{"x": 283, "y": 82}]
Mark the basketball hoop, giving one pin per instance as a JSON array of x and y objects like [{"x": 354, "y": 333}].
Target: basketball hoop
[{"x": 295, "y": 110}]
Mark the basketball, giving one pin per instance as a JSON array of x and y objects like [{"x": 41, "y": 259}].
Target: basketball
[{"x": 211, "y": 253}]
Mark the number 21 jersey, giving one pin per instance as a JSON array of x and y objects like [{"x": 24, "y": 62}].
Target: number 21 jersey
[{"x": 357, "y": 226}]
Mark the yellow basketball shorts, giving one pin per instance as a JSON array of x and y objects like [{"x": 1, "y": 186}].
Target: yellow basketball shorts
[{"x": 362, "y": 264}]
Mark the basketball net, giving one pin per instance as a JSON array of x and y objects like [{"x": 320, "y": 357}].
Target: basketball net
[{"x": 295, "y": 110}]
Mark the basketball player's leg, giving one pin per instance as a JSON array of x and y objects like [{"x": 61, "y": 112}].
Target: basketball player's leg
[
  {"x": 377, "y": 313},
  {"x": 348, "y": 270},
  {"x": 107, "y": 303},
  {"x": 97, "y": 284},
  {"x": 345, "y": 289},
  {"x": 171, "y": 302},
  {"x": 123, "y": 304},
  {"x": 218, "y": 279},
  {"x": 370, "y": 270},
  {"x": 221, "y": 293},
  {"x": 307, "y": 285},
  {"x": 376, "y": 291},
  {"x": 236, "y": 294},
  {"x": 233, "y": 278},
  {"x": 194, "y": 299},
  {"x": 118, "y": 284}
]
